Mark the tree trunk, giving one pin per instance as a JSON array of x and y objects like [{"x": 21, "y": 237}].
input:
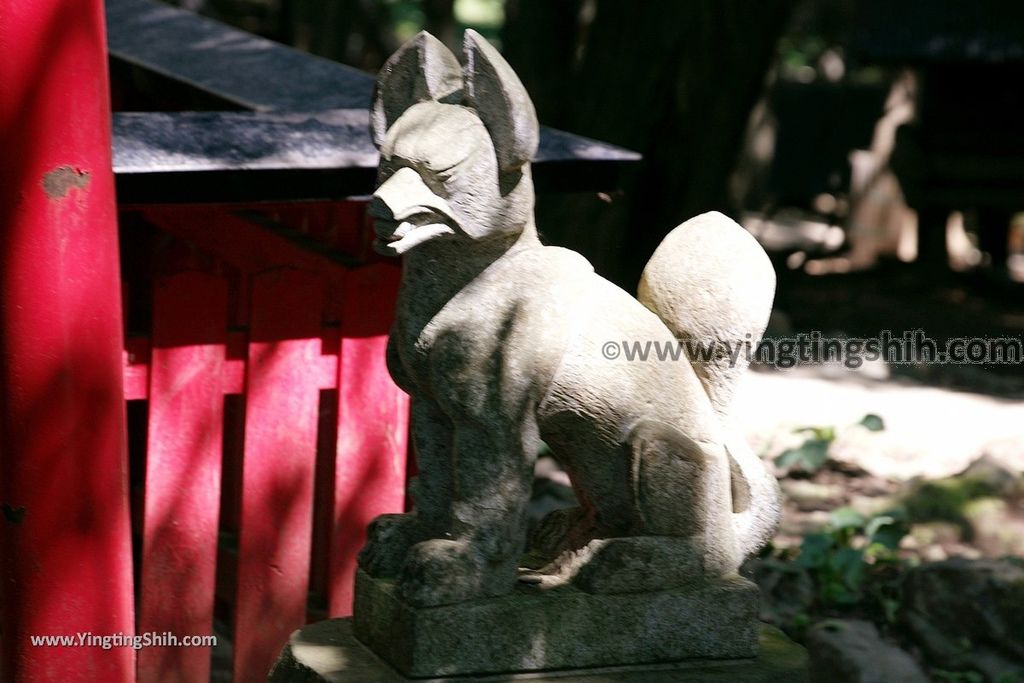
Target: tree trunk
[
  {"x": 439, "y": 21},
  {"x": 675, "y": 81}
]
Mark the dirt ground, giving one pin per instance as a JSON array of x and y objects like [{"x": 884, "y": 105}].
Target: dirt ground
[
  {"x": 929, "y": 431},
  {"x": 938, "y": 419}
]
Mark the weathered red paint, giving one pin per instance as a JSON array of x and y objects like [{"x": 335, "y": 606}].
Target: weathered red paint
[
  {"x": 65, "y": 553},
  {"x": 183, "y": 472},
  {"x": 372, "y": 426},
  {"x": 281, "y": 409}
]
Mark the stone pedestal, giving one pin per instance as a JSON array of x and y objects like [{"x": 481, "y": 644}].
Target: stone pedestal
[
  {"x": 562, "y": 628},
  {"x": 327, "y": 651},
  {"x": 563, "y": 632}
]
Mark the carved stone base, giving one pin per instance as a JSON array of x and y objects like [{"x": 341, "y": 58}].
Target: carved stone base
[
  {"x": 328, "y": 652},
  {"x": 562, "y": 628}
]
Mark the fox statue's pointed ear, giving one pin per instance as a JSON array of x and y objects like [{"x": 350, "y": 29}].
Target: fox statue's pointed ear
[
  {"x": 498, "y": 96},
  {"x": 423, "y": 69}
]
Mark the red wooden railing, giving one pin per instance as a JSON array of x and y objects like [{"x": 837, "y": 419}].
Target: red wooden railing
[{"x": 300, "y": 340}]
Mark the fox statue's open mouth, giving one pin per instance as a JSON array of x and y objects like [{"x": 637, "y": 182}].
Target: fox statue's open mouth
[
  {"x": 406, "y": 214},
  {"x": 397, "y": 235}
]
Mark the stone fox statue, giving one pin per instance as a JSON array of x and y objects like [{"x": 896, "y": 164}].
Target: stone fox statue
[{"x": 503, "y": 342}]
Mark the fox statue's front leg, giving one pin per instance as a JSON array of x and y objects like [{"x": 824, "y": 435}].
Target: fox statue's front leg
[
  {"x": 479, "y": 553},
  {"x": 390, "y": 537}
]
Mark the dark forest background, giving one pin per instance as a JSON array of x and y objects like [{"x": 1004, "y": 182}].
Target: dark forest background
[{"x": 676, "y": 81}]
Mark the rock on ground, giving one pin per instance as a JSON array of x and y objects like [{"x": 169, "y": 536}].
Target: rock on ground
[
  {"x": 967, "y": 615},
  {"x": 852, "y": 651}
]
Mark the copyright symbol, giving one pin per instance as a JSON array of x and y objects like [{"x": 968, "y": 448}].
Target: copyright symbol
[{"x": 610, "y": 350}]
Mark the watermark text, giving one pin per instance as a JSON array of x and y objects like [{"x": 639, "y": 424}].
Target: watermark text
[
  {"x": 912, "y": 347},
  {"x": 136, "y": 641}
]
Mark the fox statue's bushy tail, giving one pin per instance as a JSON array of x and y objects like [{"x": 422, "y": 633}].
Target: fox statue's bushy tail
[{"x": 712, "y": 284}]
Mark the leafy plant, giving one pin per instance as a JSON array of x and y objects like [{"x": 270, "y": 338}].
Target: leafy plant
[
  {"x": 841, "y": 558},
  {"x": 812, "y": 454}
]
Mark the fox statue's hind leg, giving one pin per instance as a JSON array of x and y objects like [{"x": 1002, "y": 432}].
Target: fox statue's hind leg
[
  {"x": 681, "y": 489},
  {"x": 677, "y": 528},
  {"x": 681, "y": 492}
]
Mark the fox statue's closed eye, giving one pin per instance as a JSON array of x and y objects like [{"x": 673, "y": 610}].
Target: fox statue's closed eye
[{"x": 499, "y": 341}]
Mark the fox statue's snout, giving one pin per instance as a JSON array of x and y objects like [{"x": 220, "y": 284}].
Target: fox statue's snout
[{"x": 406, "y": 213}]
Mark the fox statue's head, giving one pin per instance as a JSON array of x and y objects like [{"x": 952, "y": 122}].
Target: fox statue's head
[{"x": 455, "y": 144}]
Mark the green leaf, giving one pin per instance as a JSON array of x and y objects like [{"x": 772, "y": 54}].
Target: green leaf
[
  {"x": 848, "y": 564},
  {"x": 789, "y": 457},
  {"x": 810, "y": 456},
  {"x": 881, "y": 554},
  {"x": 846, "y": 518},
  {"x": 886, "y": 530},
  {"x": 876, "y": 523},
  {"x": 814, "y": 550},
  {"x": 872, "y": 422},
  {"x": 826, "y": 433},
  {"x": 836, "y": 593}
]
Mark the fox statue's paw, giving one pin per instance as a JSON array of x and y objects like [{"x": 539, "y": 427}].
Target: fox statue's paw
[
  {"x": 443, "y": 572},
  {"x": 388, "y": 540}
]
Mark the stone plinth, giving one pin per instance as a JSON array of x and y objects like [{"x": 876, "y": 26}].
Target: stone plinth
[
  {"x": 328, "y": 652},
  {"x": 563, "y": 628}
]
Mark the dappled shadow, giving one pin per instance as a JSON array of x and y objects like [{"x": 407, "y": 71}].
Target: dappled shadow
[{"x": 266, "y": 485}]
